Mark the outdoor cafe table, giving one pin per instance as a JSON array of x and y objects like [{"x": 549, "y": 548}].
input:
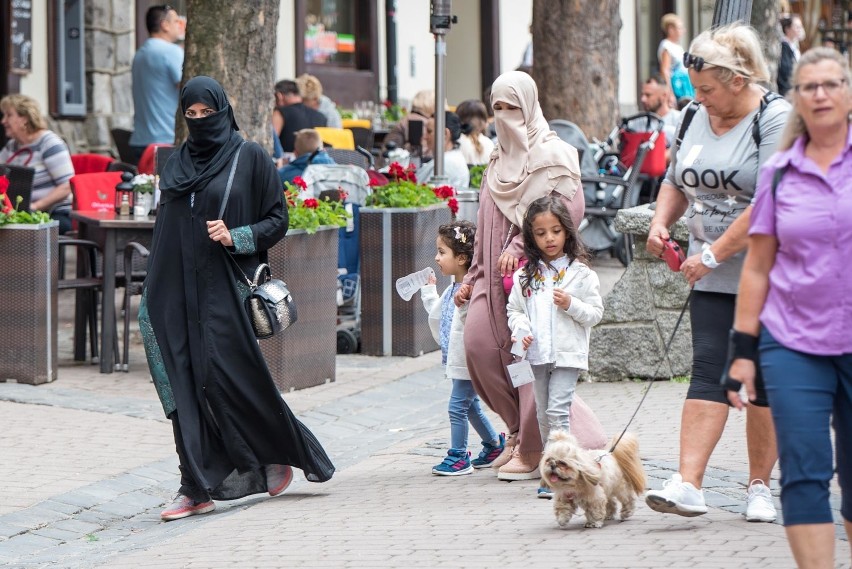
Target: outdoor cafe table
[{"x": 111, "y": 232}]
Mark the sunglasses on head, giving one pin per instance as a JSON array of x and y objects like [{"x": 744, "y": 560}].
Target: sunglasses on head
[{"x": 698, "y": 63}]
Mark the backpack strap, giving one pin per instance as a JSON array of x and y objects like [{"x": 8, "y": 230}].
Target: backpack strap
[
  {"x": 688, "y": 115},
  {"x": 776, "y": 179},
  {"x": 767, "y": 98}
]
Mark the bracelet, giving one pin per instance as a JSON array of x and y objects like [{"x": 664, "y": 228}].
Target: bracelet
[{"x": 742, "y": 346}]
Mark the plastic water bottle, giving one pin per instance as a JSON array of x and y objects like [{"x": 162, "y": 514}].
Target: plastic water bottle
[{"x": 409, "y": 284}]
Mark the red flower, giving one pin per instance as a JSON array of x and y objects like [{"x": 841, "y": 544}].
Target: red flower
[
  {"x": 311, "y": 203},
  {"x": 444, "y": 192},
  {"x": 453, "y": 204},
  {"x": 4, "y": 184},
  {"x": 300, "y": 182},
  {"x": 397, "y": 172},
  {"x": 343, "y": 193},
  {"x": 375, "y": 182},
  {"x": 387, "y": 104},
  {"x": 410, "y": 174},
  {"x": 5, "y": 202}
]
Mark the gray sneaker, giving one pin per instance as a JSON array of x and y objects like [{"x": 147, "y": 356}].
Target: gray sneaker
[{"x": 677, "y": 497}]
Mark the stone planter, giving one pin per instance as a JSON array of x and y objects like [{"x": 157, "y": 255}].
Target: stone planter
[
  {"x": 641, "y": 311},
  {"x": 28, "y": 321},
  {"x": 304, "y": 354},
  {"x": 394, "y": 243}
]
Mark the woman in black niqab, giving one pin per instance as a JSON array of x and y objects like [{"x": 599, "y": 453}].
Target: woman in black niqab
[{"x": 234, "y": 433}]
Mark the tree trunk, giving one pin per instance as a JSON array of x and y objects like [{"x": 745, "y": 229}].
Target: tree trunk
[
  {"x": 575, "y": 46},
  {"x": 764, "y": 18},
  {"x": 234, "y": 43}
]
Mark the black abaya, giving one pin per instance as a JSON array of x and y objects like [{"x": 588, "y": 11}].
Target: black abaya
[{"x": 204, "y": 358}]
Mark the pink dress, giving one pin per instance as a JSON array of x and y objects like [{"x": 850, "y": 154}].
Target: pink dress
[{"x": 487, "y": 339}]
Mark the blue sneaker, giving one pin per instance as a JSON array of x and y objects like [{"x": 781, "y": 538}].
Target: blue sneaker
[
  {"x": 455, "y": 464},
  {"x": 489, "y": 453},
  {"x": 545, "y": 493}
]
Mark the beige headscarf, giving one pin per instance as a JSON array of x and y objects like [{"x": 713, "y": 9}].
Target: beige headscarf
[{"x": 530, "y": 161}]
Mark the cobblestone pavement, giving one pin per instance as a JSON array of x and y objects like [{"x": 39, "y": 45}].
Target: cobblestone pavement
[{"x": 88, "y": 462}]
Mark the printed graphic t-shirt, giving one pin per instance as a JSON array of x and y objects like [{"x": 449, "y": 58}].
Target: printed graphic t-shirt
[{"x": 718, "y": 176}]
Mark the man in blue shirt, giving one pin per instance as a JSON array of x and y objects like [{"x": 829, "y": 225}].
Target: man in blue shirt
[{"x": 157, "y": 69}]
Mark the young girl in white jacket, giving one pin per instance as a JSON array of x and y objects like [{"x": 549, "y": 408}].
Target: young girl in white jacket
[
  {"x": 455, "y": 254},
  {"x": 554, "y": 302}
]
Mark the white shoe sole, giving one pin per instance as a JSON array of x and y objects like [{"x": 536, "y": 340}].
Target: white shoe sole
[
  {"x": 511, "y": 476},
  {"x": 665, "y": 506},
  {"x": 468, "y": 470},
  {"x": 180, "y": 516},
  {"x": 765, "y": 519}
]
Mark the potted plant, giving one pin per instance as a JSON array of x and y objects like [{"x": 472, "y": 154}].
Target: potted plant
[
  {"x": 143, "y": 187},
  {"x": 306, "y": 259},
  {"x": 28, "y": 279},
  {"x": 399, "y": 225}
]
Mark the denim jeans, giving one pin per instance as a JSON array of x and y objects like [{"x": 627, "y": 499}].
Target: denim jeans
[
  {"x": 554, "y": 391},
  {"x": 463, "y": 408},
  {"x": 807, "y": 395}
]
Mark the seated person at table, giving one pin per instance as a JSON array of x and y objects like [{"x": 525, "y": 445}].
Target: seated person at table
[
  {"x": 311, "y": 90},
  {"x": 308, "y": 150},
  {"x": 455, "y": 165},
  {"x": 291, "y": 114},
  {"x": 32, "y": 144},
  {"x": 422, "y": 109}
]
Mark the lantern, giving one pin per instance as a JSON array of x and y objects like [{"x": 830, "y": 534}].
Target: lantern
[{"x": 124, "y": 195}]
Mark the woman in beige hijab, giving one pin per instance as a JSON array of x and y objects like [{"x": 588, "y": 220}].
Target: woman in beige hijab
[{"x": 529, "y": 162}]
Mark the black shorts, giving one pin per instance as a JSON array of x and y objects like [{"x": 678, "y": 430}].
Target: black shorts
[{"x": 712, "y": 315}]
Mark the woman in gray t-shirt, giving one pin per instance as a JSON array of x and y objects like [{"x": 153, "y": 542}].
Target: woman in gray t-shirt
[{"x": 711, "y": 181}]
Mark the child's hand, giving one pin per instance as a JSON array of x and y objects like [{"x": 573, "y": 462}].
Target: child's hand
[
  {"x": 463, "y": 294},
  {"x": 561, "y": 298},
  {"x": 432, "y": 280}
]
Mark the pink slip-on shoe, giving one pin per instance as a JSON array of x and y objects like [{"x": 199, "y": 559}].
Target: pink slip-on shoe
[
  {"x": 184, "y": 506},
  {"x": 278, "y": 478}
]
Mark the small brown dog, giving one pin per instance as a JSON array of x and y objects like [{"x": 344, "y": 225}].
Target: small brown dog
[{"x": 579, "y": 480}]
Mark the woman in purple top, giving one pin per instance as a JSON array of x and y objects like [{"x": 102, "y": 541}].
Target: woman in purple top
[{"x": 795, "y": 304}]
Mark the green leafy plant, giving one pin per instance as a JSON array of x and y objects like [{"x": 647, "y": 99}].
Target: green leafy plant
[
  {"x": 10, "y": 215},
  {"x": 476, "y": 175},
  {"x": 392, "y": 113},
  {"x": 346, "y": 113},
  {"x": 311, "y": 213},
  {"x": 143, "y": 183},
  {"x": 404, "y": 191}
]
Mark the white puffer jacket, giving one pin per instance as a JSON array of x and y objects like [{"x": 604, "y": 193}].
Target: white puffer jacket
[
  {"x": 456, "y": 361},
  {"x": 565, "y": 342}
]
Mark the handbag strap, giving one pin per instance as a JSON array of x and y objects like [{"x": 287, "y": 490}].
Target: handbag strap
[
  {"x": 222, "y": 211},
  {"x": 508, "y": 239},
  {"x": 230, "y": 179}
]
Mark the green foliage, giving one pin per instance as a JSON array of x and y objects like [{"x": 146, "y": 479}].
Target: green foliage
[
  {"x": 476, "y": 176},
  {"x": 402, "y": 193},
  {"x": 23, "y": 217},
  {"x": 309, "y": 214}
]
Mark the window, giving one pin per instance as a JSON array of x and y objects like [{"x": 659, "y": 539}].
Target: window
[{"x": 330, "y": 32}]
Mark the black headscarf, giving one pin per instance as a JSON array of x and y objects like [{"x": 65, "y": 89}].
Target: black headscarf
[{"x": 211, "y": 143}]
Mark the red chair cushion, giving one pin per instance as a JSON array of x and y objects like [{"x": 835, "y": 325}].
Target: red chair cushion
[
  {"x": 90, "y": 163},
  {"x": 146, "y": 161},
  {"x": 95, "y": 192}
]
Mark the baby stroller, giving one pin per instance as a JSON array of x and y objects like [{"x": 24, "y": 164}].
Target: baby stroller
[
  {"x": 608, "y": 185},
  {"x": 327, "y": 181}
]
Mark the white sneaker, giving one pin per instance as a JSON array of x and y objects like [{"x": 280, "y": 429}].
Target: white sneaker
[
  {"x": 760, "y": 507},
  {"x": 677, "y": 497}
]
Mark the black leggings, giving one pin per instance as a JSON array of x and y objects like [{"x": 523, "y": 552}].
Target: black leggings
[{"x": 712, "y": 315}]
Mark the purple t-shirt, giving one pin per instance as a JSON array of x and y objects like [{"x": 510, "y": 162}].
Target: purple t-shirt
[{"x": 809, "y": 304}]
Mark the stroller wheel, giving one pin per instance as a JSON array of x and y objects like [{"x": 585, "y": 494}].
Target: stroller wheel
[{"x": 347, "y": 343}]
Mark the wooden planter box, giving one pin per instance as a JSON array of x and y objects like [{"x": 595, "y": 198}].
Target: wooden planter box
[
  {"x": 304, "y": 354},
  {"x": 396, "y": 242},
  {"x": 28, "y": 320}
]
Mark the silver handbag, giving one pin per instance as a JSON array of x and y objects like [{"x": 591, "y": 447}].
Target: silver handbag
[{"x": 270, "y": 305}]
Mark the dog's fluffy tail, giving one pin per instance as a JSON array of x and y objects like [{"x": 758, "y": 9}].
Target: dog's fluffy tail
[{"x": 626, "y": 454}]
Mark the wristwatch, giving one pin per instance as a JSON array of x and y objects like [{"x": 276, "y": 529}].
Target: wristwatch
[{"x": 708, "y": 259}]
